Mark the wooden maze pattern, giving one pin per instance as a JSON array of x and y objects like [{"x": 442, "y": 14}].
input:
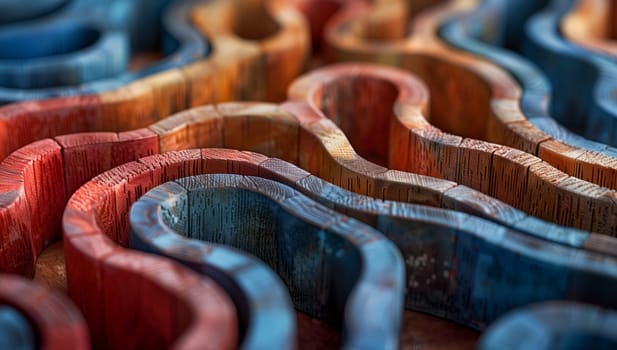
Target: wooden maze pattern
[{"x": 271, "y": 174}]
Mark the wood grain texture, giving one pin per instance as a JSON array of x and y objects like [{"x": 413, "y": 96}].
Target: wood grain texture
[
  {"x": 233, "y": 72},
  {"x": 82, "y": 48},
  {"x": 363, "y": 132},
  {"x": 480, "y": 32},
  {"x": 507, "y": 174},
  {"x": 163, "y": 219},
  {"x": 183, "y": 316},
  {"x": 316, "y": 251},
  {"x": 491, "y": 110}
]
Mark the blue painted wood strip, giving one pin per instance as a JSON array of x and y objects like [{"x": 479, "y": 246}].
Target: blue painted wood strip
[
  {"x": 463, "y": 268},
  {"x": 265, "y": 311},
  {"x": 583, "y": 83},
  {"x": 480, "y": 32},
  {"x": 62, "y": 54},
  {"x": 331, "y": 264},
  {"x": 99, "y": 50},
  {"x": 470, "y": 270},
  {"x": 553, "y": 325},
  {"x": 15, "y": 331}
]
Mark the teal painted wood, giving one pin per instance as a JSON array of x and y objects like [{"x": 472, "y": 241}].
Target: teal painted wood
[
  {"x": 461, "y": 267},
  {"x": 480, "y": 32},
  {"x": 469, "y": 270},
  {"x": 265, "y": 311},
  {"x": 331, "y": 264},
  {"x": 62, "y": 53},
  {"x": 458, "y": 267},
  {"x": 84, "y": 47},
  {"x": 458, "y": 199},
  {"x": 583, "y": 83},
  {"x": 553, "y": 325},
  {"x": 15, "y": 330}
]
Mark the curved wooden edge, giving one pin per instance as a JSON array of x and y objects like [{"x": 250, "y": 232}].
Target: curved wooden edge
[
  {"x": 498, "y": 115},
  {"x": 553, "y": 324},
  {"x": 416, "y": 146},
  {"x": 55, "y": 320},
  {"x": 262, "y": 66},
  {"x": 455, "y": 113},
  {"x": 118, "y": 181},
  {"x": 90, "y": 65},
  {"x": 371, "y": 265},
  {"x": 227, "y": 75},
  {"x": 97, "y": 264},
  {"x": 570, "y": 153},
  {"x": 442, "y": 269},
  {"x": 590, "y": 24},
  {"x": 400, "y": 221},
  {"x": 594, "y": 114},
  {"x": 294, "y": 132},
  {"x": 261, "y": 300}
]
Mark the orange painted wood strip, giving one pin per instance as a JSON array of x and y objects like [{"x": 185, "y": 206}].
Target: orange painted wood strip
[{"x": 483, "y": 99}]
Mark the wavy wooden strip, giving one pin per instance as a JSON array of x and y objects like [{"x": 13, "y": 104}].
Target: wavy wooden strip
[
  {"x": 577, "y": 156},
  {"x": 181, "y": 169},
  {"x": 326, "y": 260},
  {"x": 592, "y": 110},
  {"x": 553, "y": 325},
  {"x": 96, "y": 264},
  {"x": 95, "y": 58},
  {"x": 428, "y": 288},
  {"x": 510, "y": 175},
  {"x": 591, "y": 24},
  {"x": 298, "y": 137},
  {"x": 224, "y": 76},
  {"x": 469, "y": 97},
  {"x": 53, "y": 319},
  {"x": 265, "y": 312}
]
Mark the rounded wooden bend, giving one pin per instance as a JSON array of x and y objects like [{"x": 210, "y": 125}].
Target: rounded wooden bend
[
  {"x": 587, "y": 93},
  {"x": 76, "y": 52},
  {"x": 261, "y": 44},
  {"x": 184, "y": 310},
  {"x": 437, "y": 244},
  {"x": 466, "y": 160},
  {"x": 166, "y": 217},
  {"x": 63, "y": 54},
  {"x": 389, "y": 104},
  {"x": 588, "y": 160},
  {"x": 553, "y": 325},
  {"x": 331, "y": 264},
  {"x": 84, "y": 213},
  {"x": 227, "y": 74},
  {"x": 41, "y": 319},
  {"x": 72, "y": 159}
]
